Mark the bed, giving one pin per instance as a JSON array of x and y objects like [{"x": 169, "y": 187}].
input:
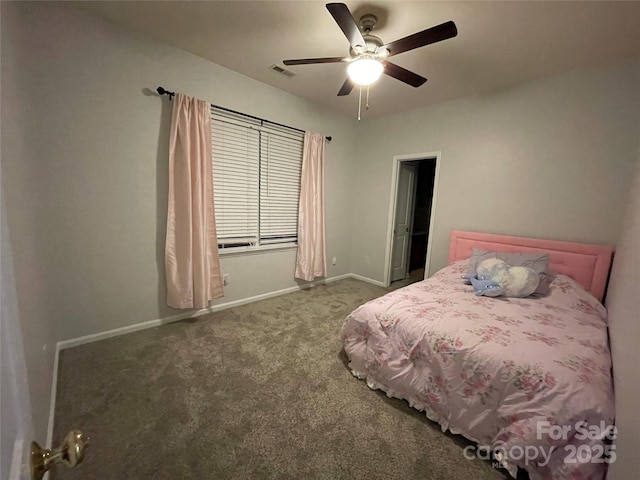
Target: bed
[{"x": 528, "y": 379}]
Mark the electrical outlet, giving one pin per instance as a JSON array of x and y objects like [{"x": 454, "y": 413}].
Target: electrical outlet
[
  {"x": 225, "y": 279},
  {"x": 366, "y": 260},
  {"x": 334, "y": 260}
]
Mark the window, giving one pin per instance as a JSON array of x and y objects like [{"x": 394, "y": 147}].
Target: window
[{"x": 256, "y": 181}]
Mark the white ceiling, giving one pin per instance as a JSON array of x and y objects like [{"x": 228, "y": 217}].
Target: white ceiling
[{"x": 499, "y": 44}]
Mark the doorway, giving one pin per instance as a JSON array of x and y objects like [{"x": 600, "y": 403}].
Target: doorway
[{"x": 413, "y": 194}]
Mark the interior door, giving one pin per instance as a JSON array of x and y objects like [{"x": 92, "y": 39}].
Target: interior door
[
  {"x": 16, "y": 403},
  {"x": 405, "y": 195}
]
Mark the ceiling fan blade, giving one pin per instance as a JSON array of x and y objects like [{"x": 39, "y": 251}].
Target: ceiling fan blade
[
  {"x": 308, "y": 61},
  {"x": 403, "y": 74},
  {"x": 425, "y": 37},
  {"x": 347, "y": 24},
  {"x": 346, "y": 88}
]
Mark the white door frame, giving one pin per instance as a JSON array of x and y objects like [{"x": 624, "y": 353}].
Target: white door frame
[{"x": 392, "y": 207}]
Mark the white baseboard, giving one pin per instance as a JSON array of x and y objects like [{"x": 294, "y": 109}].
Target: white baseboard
[
  {"x": 367, "y": 279},
  {"x": 94, "y": 337},
  {"x": 74, "y": 342}
]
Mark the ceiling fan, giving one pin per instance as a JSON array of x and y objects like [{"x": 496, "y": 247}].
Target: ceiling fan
[{"x": 368, "y": 54}]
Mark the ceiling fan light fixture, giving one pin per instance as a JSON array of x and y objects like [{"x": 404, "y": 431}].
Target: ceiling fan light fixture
[
  {"x": 365, "y": 70},
  {"x": 368, "y": 54}
]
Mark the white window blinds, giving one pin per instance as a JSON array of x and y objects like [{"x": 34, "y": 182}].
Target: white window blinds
[
  {"x": 256, "y": 180},
  {"x": 280, "y": 168},
  {"x": 235, "y": 156}
]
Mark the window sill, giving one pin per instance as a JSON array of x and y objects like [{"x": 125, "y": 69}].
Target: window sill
[{"x": 239, "y": 251}]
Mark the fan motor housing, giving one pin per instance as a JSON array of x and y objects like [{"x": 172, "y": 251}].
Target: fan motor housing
[{"x": 373, "y": 43}]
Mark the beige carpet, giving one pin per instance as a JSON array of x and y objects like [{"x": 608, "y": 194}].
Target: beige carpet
[{"x": 258, "y": 391}]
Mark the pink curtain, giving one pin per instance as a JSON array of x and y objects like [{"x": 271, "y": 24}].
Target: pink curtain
[
  {"x": 191, "y": 253},
  {"x": 311, "y": 259}
]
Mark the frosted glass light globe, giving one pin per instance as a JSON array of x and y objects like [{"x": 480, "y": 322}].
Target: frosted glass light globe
[{"x": 364, "y": 71}]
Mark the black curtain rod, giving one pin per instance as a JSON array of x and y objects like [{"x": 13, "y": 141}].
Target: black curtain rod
[{"x": 162, "y": 91}]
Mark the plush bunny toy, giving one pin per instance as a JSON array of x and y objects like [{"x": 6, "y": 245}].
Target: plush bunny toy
[{"x": 496, "y": 277}]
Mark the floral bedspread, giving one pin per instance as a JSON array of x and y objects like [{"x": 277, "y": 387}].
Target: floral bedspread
[{"x": 529, "y": 378}]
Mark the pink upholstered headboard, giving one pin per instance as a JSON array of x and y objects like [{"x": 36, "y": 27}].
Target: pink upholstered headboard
[{"x": 587, "y": 264}]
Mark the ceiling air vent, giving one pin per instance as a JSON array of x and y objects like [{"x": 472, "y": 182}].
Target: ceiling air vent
[{"x": 282, "y": 71}]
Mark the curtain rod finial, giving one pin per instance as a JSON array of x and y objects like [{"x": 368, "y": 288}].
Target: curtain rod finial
[{"x": 162, "y": 91}]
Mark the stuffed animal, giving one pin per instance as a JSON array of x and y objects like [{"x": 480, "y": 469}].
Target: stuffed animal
[{"x": 510, "y": 281}]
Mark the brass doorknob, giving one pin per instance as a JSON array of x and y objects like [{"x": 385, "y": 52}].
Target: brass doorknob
[{"x": 71, "y": 453}]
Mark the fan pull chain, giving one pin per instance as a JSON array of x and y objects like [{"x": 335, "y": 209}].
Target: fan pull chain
[
  {"x": 359, "y": 102},
  {"x": 367, "y": 103}
]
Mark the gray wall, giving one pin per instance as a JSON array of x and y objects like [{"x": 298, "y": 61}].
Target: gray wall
[
  {"x": 551, "y": 159},
  {"x": 85, "y": 155},
  {"x": 623, "y": 304},
  {"x": 95, "y": 178}
]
